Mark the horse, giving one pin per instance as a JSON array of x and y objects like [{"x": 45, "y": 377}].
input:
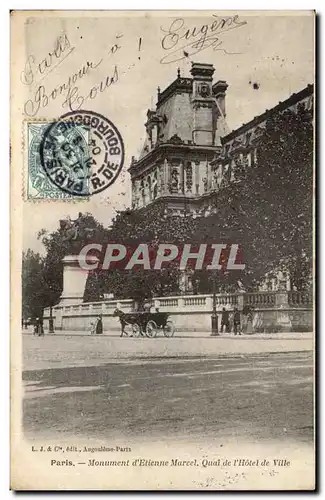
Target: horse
[{"x": 126, "y": 319}]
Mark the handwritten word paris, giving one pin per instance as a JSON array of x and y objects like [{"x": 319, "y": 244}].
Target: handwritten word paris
[{"x": 34, "y": 70}]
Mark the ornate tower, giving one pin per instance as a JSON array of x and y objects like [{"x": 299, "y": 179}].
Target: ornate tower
[{"x": 182, "y": 136}]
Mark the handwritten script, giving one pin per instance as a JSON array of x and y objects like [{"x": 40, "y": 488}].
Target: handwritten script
[
  {"x": 74, "y": 100},
  {"x": 68, "y": 90},
  {"x": 32, "y": 70},
  {"x": 180, "y": 41}
]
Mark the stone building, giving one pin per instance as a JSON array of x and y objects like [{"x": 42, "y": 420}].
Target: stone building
[
  {"x": 189, "y": 152},
  {"x": 184, "y": 134}
]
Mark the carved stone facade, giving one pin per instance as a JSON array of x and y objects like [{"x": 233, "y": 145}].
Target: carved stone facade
[{"x": 189, "y": 154}]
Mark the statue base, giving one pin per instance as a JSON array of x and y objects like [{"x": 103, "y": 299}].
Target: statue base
[{"x": 74, "y": 279}]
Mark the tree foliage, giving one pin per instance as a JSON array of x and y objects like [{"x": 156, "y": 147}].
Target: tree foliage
[
  {"x": 40, "y": 288},
  {"x": 151, "y": 226},
  {"x": 267, "y": 208},
  {"x": 276, "y": 199}
]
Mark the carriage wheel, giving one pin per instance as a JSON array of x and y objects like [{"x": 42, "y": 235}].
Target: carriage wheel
[
  {"x": 169, "y": 329},
  {"x": 151, "y": 329},
  {"x": 136, "y": 330}
]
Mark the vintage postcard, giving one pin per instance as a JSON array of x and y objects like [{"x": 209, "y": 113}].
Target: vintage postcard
[{"x": 162, "y": 279}]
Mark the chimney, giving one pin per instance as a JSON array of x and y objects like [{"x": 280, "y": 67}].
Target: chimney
[
  {"x": 202, "y": 104},
  {"x": 201, "y": 71}
]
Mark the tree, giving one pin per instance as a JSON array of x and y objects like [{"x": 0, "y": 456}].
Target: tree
[
  {"x": 32, "y": 284},
  {"x": 267, "y": 208},
  {"x": 277, "y": 198},
  {"x": 39, "y": 289},
  {"x": 151, "y": 226}
]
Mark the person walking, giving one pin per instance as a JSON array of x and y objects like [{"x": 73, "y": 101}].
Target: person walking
[
  {"x": 236, "y": 322},
  {"x": 35, "y": 322},
  {"x": 93, "y": 326},
  {"x": 225, "y": 320},
  {"x": 39, "y": 328},
  {"x": 99, "y": 325},
  {"x": 249, "y": 329},
  {"x": 247, "y": 320}
]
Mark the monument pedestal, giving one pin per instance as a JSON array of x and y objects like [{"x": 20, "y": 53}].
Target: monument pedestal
[
  {"x": 74, "y": 279},
  {"x": 283, "y": 321}
]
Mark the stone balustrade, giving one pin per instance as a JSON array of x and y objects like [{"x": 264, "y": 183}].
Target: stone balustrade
[
  {"x": 273, "y": 311},
  {"x": 300, "y": 299},
  {"x": 260, "y": 299}
]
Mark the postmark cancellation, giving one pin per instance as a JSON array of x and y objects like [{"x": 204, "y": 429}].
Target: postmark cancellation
[{"x": 73, "y": 157}]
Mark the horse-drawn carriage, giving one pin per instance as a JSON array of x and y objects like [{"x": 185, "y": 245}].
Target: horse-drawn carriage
[{"x": 145, "y": 323}]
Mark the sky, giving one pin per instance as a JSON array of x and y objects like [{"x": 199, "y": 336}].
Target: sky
[{"x": 274, "y": 51}]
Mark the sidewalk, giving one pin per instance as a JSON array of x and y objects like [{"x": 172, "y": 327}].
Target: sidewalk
[{"x": 182, "y": 334}]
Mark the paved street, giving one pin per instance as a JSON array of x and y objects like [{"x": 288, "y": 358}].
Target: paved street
[
  {"x": 226, "y": 387},
  {"x": 74, "y": 349}
]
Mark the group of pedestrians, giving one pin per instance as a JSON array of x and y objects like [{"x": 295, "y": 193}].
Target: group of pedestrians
[
  {"x": 38, "y": 327},
  {"x": 236, "y": 321},
  {"x": 96, "y": 327}
]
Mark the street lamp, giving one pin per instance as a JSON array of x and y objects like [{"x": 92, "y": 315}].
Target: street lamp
[
  {"x": 51, "y": 325},
  {"x": 214, "y": 317}
]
